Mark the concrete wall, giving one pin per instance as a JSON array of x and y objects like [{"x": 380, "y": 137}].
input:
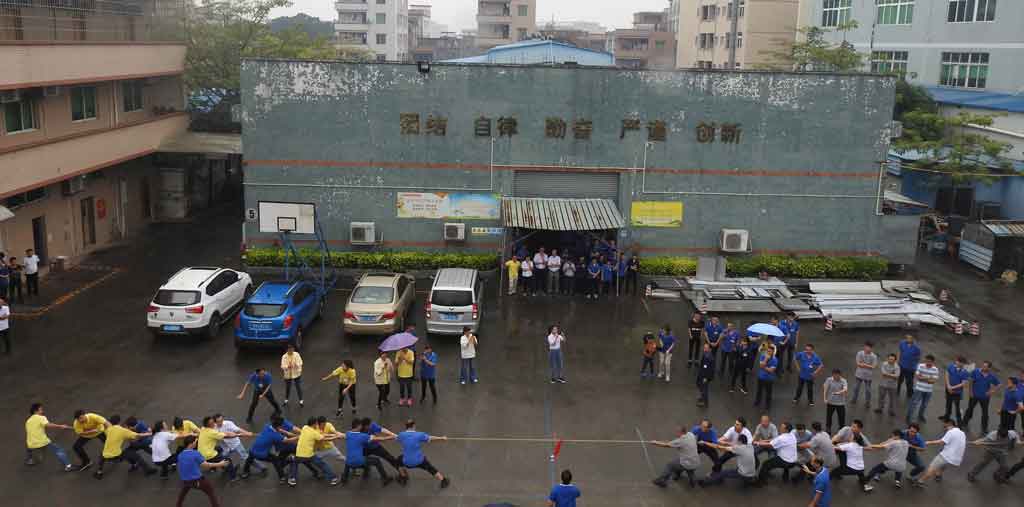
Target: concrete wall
[{"x": 328, "y": 133}]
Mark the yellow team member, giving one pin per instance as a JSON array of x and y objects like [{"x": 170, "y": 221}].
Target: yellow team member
[
  {"x": 346, "y": 374},
  {"x": 88, "y": 426},
  {"x": 404, "y": 360},
  {"x": 513, "y": 274},
  {"x": 183, "y": 428},
  {"x": 113, "y": 448},
  {"x": 305, "y": 451},
  {"x": 36, "y": 439},
  {"x": 326, "y": 448},
  {"x": 209, "y": 437}
]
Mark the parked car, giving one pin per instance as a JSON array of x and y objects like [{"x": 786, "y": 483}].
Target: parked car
[
  {"x": 197, "y": 301},
  {"x": 454, "y": 301},
  {"x": 379, "y": 304},
  {"x": 278, "y": 313}
]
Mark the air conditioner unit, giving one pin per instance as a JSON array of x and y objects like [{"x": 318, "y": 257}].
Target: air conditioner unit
[
  {"x": 363, "y": 233},
  {"x": 53, "y": 91},
  {"x": 735, "y": 241},
  {"x": 8, "y": 96},
  {"x": 455, "y": 232},
  {"x": 73, "y": 185}
]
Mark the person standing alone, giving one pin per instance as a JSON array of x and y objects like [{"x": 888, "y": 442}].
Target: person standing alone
[
  {"x": 890, "y": 371},
  {"x": 809, "y": 365},
  {"x": 564, "y": 494},
  {"x": 513, "y": 274},
  {"x": 984, "y": 384},
  {"x": 291, "y": 368},
  {"x": 867, "y": 361},
  {"x": 696, "y": 328},
  {"x": 467, "y": 346},
  {"x": 405, "y": 359},
  {"x": 555, "y": 341},
  {"x": 260, "y": 381},
  {"x": 956, "y": 379},
  {"x": 540, "y": 273},
  {"x": 382, "y": 369},
  {"x": 15, "y": 282},
  {"x": 666, "y": 345},
  {"x": 910, "y": 357},
  {"x": 428, "y": 373},
  {"x": 925, "y": 376},
  {"x": 766, "y": 375},
  {"x": 31, "y": 264},
  {"x": 835, "y": 389}
]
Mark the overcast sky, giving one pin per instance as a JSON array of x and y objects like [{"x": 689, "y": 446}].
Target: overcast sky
[{"x": 460, "y": 14}]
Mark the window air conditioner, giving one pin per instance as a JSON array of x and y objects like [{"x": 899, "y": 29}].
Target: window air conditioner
[
  {"x": 8, "y": 96},
  {"x": 455, "y": 232},
  {"x": 735, "y": 241},
  {"x": 73, "y": 185},
  {"x": 363, "y": 233}
]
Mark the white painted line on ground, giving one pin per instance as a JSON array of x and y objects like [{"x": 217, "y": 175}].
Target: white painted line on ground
[
  {"x": 646, "y": 308},
  {"x": 643, "y": 445}
]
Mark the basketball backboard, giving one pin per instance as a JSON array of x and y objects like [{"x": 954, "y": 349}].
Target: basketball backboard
[{"x": 293, "y": 217}]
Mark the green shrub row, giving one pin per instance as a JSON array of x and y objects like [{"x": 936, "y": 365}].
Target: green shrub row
[
  {"x": 399, "y": 262},
  {"x": 860, "y": 268}
]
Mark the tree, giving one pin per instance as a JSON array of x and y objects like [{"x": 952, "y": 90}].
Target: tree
[
  {"x": 814, "y": 53},
  {"x": 313, "y": 26},
  {"x": 222, "y": 32},
  {"x": 951, "y": 144}
]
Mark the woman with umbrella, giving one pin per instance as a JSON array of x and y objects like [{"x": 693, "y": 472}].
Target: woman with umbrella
[{"x": 401, "y": 344}]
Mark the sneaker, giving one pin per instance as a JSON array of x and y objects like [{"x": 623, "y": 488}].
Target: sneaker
[
  {"x": 463, "y": 382},
  {"x": 85, "y": 466},
  {"x": 794, "y": 401},
  {"x": 98, "y": 474},
  {"x": 668, "y": 379},
  {"x": 244, "y": 475},
  {"x": 334, "y": 481},
  {"x": 553, "y": 381},
  {"x": 659, "y": 483},
  {"x": 878, "y": 478},
  {"x": 732, "y": 390},
  {"x": 445, "y": 483},
  {"x": 337, "y": 413},
  {"x": 285, "y": 402},
  {"x": 409, "y": 402},
  {"x": 868, "y": 488},
  {"x": 810, "y": 404},
  {"x": 355, "y": 409},
  {"x": 476, "y": 381},
  {"x": 292, "y": 482},
  {"x": 562, "y": 380},
  {"x": 282, "y": 481},
  {"x": 916, "y": 483},
  {"x": 899, "y": 485},
  {"x": 384, "y": 481},
  {"x": 30, "y": 462},
  {"x": 302, "y": 402},
  {"x": 971, "y": 478},
  {"x": 938, "y": 478},
  {"x": 744, "y": 391},
  {"x": 69, "y": 467}
]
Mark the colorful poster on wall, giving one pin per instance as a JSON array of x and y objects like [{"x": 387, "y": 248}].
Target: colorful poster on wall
[
  {"x": 656, "y": 214},
  {"x": 464, "y": 206}
]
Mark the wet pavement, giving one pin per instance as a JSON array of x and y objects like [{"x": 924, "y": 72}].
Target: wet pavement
[{"x": 93, "y": 352}]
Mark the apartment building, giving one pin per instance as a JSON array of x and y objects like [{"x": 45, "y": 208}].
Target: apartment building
[
  {"x": 89, "y": 91},
  {"x": 381, "y": 26},
  {"x": 648, "y": 45},
  {"x": 502, "y": 22},
  {"x": 706, "y": 27}
]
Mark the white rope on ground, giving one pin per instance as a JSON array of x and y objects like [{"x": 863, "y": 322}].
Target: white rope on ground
[{"x": 546, "y": 440}]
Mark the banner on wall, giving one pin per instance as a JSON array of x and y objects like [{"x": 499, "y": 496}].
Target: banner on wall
[
  {"x": 449, "y": 205},
  {"x": 656, "y": 214}
]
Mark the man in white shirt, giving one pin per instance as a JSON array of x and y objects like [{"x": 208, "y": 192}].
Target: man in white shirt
[
  {"x": 569, "y": 276},
  {"x": 160, "y": 448},
  {"x": 31, "y": 263},
  {"x": 924, "y": 383},
  {"x": 467, "y": 345},
  {"x": 555, "y": 341},
  {"x": 786, "y": 455},
  {"x": 234, "y": 444},
  {"x": 954, "y": 443},
  {"x": 554, "y": 273},
  {"x": 540, "y": 263},
  {"x": 5, "y": 325},
  {"x": 732, "y": 438}
]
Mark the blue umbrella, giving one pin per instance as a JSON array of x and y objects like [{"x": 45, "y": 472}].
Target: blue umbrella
[
  {"x": 397, "y": 342},
  {"x": 765, "y": 329}
]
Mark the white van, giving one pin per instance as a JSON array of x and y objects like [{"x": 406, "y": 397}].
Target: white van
[{"x": 454, "y": 301}]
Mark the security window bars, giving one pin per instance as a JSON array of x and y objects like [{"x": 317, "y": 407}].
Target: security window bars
[
  {"x": 964, "y": 70},
  {"x": 889, "y": 62}
]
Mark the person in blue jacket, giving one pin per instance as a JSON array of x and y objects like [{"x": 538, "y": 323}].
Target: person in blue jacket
[{"x": 909, "y": 358}]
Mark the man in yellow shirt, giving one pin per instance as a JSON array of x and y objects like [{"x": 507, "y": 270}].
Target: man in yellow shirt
[
  {"x": 36, "y": 439},
  {"x": 404, "y": 359},
  {"x": 118, "y": 433},
  {"x": 183, "y": 428},
  {"x": 88, "y": 426},
  {"x": 305, "y": 452},
  {"x": 326, "y": 448},
  {"x": 346, "y": 374},
  {"x": 513, "y": 274},
  {"x": 209, "y": 437}
]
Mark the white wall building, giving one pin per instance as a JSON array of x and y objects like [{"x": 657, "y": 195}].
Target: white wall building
[{"x": 382, "y": 26}]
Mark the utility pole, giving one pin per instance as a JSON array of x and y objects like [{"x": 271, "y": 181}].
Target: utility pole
[{"x": 732, "y": 36}]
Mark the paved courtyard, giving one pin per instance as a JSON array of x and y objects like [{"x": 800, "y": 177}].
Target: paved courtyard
[{"x": 94, "y": 353}]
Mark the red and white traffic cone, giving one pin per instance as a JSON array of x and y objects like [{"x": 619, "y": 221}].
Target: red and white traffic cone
[
  {"x": 975, "y": 329},
  {"x": 648, "y": 290},
  {"x": 704, "y": 307},
  {"x": 958, "y": 328},
  {"x": 828, "y": 322},
  {"x": 944, "y": 296}
]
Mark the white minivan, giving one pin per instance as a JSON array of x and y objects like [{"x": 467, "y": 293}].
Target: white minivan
[{"x": 454, "y": 301}]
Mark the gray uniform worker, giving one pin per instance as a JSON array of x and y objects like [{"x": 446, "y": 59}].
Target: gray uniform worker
[
  {"x": 766, "y": 430},
  {"x": 998, "y": 445},
  {"x": 688, "y": 461},
  {"x": 746, "y": 465},
  {"x": 896, "y": 449},
  {"x": 867, "y": 361},
  {"x": 821, "y": 446}
]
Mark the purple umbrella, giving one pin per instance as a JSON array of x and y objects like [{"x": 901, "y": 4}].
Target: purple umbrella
[{"x": 398, "y": 342}]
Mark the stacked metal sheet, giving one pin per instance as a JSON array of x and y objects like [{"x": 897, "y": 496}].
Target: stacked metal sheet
[{"x": 874, "y": 304}]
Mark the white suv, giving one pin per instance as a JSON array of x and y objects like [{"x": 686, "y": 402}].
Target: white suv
[{"x": 198, "y": 300}]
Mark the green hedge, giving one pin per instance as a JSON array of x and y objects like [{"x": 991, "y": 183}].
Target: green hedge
[
  {"x": 861, "y": 268},
  {"x": 388, "y": 261}
]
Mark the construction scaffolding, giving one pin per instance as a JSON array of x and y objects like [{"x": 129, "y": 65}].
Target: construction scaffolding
[{"x": 68, "y": 21}]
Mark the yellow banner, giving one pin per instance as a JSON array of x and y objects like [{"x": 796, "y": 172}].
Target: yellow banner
[{"x": 656, "y": 214}]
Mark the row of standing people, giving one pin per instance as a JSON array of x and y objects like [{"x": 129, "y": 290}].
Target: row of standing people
[
  {"x": 11, "y": 271},
  {"x": 553, "y": 274}
]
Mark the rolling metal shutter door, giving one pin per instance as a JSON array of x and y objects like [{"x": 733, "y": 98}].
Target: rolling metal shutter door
[{"x": 567, "y": 185}]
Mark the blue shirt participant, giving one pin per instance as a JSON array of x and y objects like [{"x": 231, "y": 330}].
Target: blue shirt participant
[
  {"x": 564, "y": 494},
  {"x": 412, "y": 452},
  {"x": 191, "y": 465},
  {"x": 730, "y": 338},
  {"x": 810, "y": 363},
  {"x": 910, "y": 354},
  {"x": 956, "y": 377},
  {"x": 667, "y": 340},
  {"x": 983, "y": 382},
  {"x": 822, "y": 485}
]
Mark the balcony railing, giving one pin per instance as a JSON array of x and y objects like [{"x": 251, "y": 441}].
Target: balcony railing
[{"x": 92, "y": 20}]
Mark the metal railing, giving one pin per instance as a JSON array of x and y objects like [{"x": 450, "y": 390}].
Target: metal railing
[{"x": 92, "y": 20}]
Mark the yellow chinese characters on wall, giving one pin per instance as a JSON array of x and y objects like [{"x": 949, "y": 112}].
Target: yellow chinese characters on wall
[{"x": 656, "y": 214}]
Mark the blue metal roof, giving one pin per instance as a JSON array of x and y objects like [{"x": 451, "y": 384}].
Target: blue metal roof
[
  {"x": 980, "y": 99},
  {"x": 539, "y": 51}
]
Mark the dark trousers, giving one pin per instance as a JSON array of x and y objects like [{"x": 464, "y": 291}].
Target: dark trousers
[
  {"x": 382, "y": 453},
  {"x": 647, "y": 366},
  {"x": 288, "y": 383},
  {"x": 275, "y": 461},
  {"x": 786, "y": 355},
  {"x": 631, "y": 283},
  {"x": 131, "y": 457},
  {"x": 202, "y": 485},
  {"x": 740, "y": 372},
  {"x": 1007, "y": 419},
  {"x": 79, "y": 447},
  {"x": 837, "y": 410},
  {"x": 313, "y": 463},
  {"x": 1015, "y": 468},
  {"x": 953, "y": 403},
  {"x": 719, "y": 477},
  {"x": 6, "y": 336},
  {"x": 915, "y": 461},
  {"x": 405, "y": 388},
  {"x": 674, "y": 471},
  {"x": 772, "y": 464},
  {"x": 569, "y": 285},
  {"x": 702, "y": 386},
  {"x": 764, "y": 390},
  {"x": 32, "y": 284},
  {"x": 256, "y": 399},
  {"x": 846, "y": 470},
  {"x": 906, "y": 376},
  {"x": 14, "y": 290},
  {"x": 165, "y": 465},
  {"x": 424, "y": 382},
  {"x": 984, "y": 412},
  {"x": 383, "y": 391},
  {"x": 801, "y": 383},
  {"x": 723, "y": 459},
  {"x": 728, "y": 363},
  {"x": 231, "y": 468},
  {"x": 880, "y": 469},
  {"x": 693, "y": 351},
  {"x": 370, "y": 461},
  {"x": 351, "y": 396}
]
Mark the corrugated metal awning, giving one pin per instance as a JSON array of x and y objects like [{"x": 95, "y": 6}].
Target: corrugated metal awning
[
  {"x": 561, "y": 214},
  {"x": 1005, "y": 227},
  {"x": 5, "y": 214}
]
